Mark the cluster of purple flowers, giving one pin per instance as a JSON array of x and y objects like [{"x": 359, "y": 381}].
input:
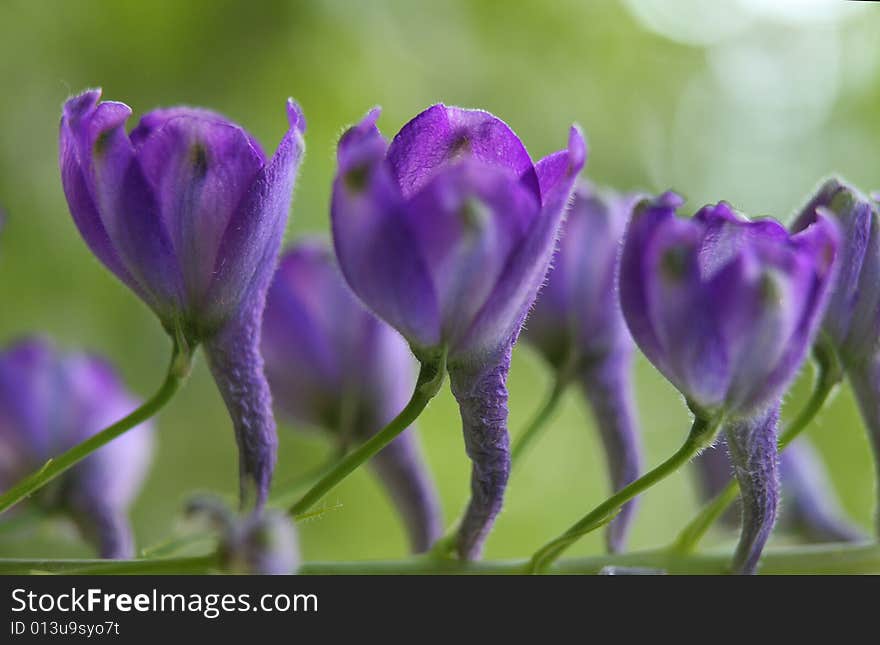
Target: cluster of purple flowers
[{"x": 448, "y": 241}]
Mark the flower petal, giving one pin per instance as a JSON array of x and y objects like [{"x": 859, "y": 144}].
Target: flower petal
[
  {"x": 501, "y": 317},
  {"x": 124, "y": 200},
  {"x": 441, "y": 134},
  {"x": 377, "y": 251},
  {"x": 466, "y": 222},
  {"x": 248, "y": 252},
  {"x": 199, "y": 170}
]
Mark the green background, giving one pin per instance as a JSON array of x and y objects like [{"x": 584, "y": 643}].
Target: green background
[{"x": 748, "y": 101}]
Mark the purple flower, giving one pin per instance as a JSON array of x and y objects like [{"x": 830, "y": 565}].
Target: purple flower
[
  {"x": 48, "y": 403},
  {"x": 188, "y": 212},
  {"x": 577, "y": 326},
  {"x": 724, "y": 307},
  {"x": 446, "y": 234},
  {"x": 333, "y": 366},
  {"x": 852, "y": 320}
]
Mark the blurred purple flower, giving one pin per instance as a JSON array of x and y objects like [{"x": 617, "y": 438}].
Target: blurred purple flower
[
  {"x": 726, "y": 309},
  {"x": 260, "y": 543},
  {"x": 577, "y": 326},
  {"x": 809, "y": 507},
  {"x": 852, "y": 320},
  {"x": 48, "y": 403},
  {"x": 852, "y": 323},
  {"x": 447, "y": 234},
  {"x": 333, "y": 366},
  {"x": 188, "y": 212}
]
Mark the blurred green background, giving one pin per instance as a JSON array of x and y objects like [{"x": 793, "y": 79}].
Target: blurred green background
[{"x": 750, "y": 101}]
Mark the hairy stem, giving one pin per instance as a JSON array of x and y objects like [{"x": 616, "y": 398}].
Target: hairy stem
[
  {"x": 701, "y": 435},
  {"x": 429, "y": 382},
  {"x": 178, "y": 371}
]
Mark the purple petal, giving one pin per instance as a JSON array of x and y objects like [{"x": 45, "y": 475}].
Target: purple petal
[
  {"x": 377, "y": 251},
  {"x": 250, "y": 245},
  {"x": 156, "y": 120},
  {"x": 649, "y": 217},
  {"x": 122, "y": 198},
  {"x": 305, "y": 307},
  {"x": 852, "y": 320},
  {"x": 79, "y": 197},
  {"x": 466, "y": 221},
  {"x": 500, "y": 319},
  {"x": 441, "y": 134},
  {"x": 677, "y": 300},
  {"x": 199, "y": 170}
]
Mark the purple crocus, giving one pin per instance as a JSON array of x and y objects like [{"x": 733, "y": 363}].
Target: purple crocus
[
  {"x": 726, "y": 309},
  {"x": 577, "y": 326},
  {"x": 852, "y": 322},
  {"x": 809, "y": 507},
  {"x": 188, "y": 212},
  {"x": 333, "y": 366},
  {"x": 446, "y": 234},
  {"x": 49, "y": 402}
]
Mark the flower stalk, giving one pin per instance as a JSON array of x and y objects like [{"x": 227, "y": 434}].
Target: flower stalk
[
  {"x": 431, "y": 377},
  {"x": 701, "y": 435}
]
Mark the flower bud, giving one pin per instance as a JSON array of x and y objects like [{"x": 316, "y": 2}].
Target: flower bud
[
  {"x": 577, "y": 327},
  {"x": 50, "y": 402},
  {"x": 188, "y": 212},
  {"x": 724, "y": 307},
  {"x": 446, "y": 234},
  {"x": 852, "y": 319}
]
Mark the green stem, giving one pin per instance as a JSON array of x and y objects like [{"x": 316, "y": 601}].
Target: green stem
[
  {"x": 829, "y": 374},
  {"x": 701, "y": 435},
  {"x": 813, "y": 559},
  {"x": 177, "y": 373},
  {"x": 188, "y": 565},
  {"x": 430, "y": 380},
  {"x": 525, "y": 439}
]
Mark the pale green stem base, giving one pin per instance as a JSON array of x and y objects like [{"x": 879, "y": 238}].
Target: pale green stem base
[
  {"x": 829, "y": 374},
  {"x": 177, "y": 374}
]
